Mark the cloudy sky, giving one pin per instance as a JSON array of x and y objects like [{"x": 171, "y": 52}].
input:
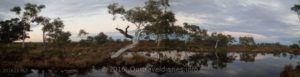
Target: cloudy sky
[{"x": 266, "y": 20}]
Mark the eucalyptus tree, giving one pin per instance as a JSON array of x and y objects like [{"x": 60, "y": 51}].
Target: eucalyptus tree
[
  {"x": 137, "y": 16},
  {"x": 220, "y": 39},
  {"x": 56, "y": 33},
  {"x": 82, "y": 33},
  {"x": 61, "y": 37},
  {"x": 178, "y": 32},
  {"x": 152, "y": 19},
  {"x": 248, "y": 41},
  {"x": 296, "y": 8},
  {"x": 161, "y": 18},
  {"x": 101, "y": 38},
  {"x": 248, "y": 57},
  {"x": 10, "y": 31},
  {"x": 196, "y": 34},
  {"x": 27, "y": 15},
  {"x": 47, "y": 26},
  {"x": 296, "y": 46}
]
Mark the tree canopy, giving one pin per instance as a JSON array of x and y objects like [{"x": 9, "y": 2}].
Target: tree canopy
[
  {"x": 248, "y": 41},
  {"x": 27, "y": 15},
  {"x": 10, "y": 31}
]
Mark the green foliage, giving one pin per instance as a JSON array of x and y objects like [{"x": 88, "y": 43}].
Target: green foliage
[
  {"x": 179, "y": 31},
  {"x": 110, "y": 39},
  {"x": 248, "y": 41},
  {"x": 53, "y": 29},
  {"x": 56, "y": 34},
  {"x": 296, "y": 8},
  {"x": 47, "y": 25},
  {"x": 60, "y": 37},
  {"x": 295, "y": 46},
  {"x": 157, "y": 20},
  {"x": 221, "y": 38},
  {"x": 16, "y": 9},
  {"x": 10, "y": 31},
  {"x": 101, "y": 38},
  {"x": 200, "y": 37},
  {"x": 161, "y": 20},
  {"x": 82, "y": 33},
  {"x": 153, "y": 19},
  {"x": 27, "y": 15},
  {"x": 196, "y": 34},
  {"x": 115, "y": 8},
  {"x": 90, "y": 39}
]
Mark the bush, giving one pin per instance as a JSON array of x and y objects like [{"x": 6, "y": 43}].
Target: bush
[{"x": 295, "y": 46}]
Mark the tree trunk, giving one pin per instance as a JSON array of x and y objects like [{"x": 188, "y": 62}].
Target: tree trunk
[
  {"x": 44, "y": 40},
  {"x": 298, "y": 16},
  {"x": 23, "y": 43},
  {"x": 23, "y": 38},
  {"x": 166, "y": 39},
  {"x": 122, "y": 50},
  {"x": 135, "y": 41},
  {"x": 216, "y": 45},
  {"x": 158, "y": 40},
  {"x": 217, "y": 56}
]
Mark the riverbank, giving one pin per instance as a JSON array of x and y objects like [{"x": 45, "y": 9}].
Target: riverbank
[{"x": 76, "y": 55}]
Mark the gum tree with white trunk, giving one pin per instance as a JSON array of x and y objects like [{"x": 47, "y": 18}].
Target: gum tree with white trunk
[
  {"x": 153, "y": 17},
  {"x": 27, "y": 15}
]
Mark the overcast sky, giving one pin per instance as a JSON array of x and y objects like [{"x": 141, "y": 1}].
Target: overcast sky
[{"x": 266, "y": 20}]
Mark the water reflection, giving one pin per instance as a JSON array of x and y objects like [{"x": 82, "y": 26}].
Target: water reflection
[
  {"x": 173, "y": 63},
  {"x": 248, "y": 57},
  {"x": 53, "y": 73},
  {"x": 218, "y": 60},
  {"x": 14, "y": 72}
]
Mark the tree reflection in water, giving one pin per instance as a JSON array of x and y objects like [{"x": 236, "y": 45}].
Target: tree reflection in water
[
  {"x": 248, "y": 57},
  {"x": 162, "y": 66},
  {"x": 62, "y": 72},
  {"x": 218, "y": 59}
]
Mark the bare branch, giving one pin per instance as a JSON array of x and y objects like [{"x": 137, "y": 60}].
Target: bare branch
[{"x": 125, "y": 33}]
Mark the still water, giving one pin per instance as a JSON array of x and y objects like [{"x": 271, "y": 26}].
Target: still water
[{"x": 182, "y": 64}]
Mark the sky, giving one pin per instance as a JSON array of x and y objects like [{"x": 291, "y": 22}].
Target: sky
[{"x": 266, "y": 20}]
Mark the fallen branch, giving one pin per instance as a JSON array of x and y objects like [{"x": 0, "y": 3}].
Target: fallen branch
[{"x": 135, "y": 41}]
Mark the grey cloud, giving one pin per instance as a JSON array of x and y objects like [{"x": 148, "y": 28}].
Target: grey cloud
[
  {"x": 60, "y": 8},
  {"x": 254, "y": 16},
  {"x": 259, "y": 18}
]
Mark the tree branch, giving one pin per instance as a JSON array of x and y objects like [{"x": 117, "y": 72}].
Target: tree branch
[{"x": 125, "y": 33}]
